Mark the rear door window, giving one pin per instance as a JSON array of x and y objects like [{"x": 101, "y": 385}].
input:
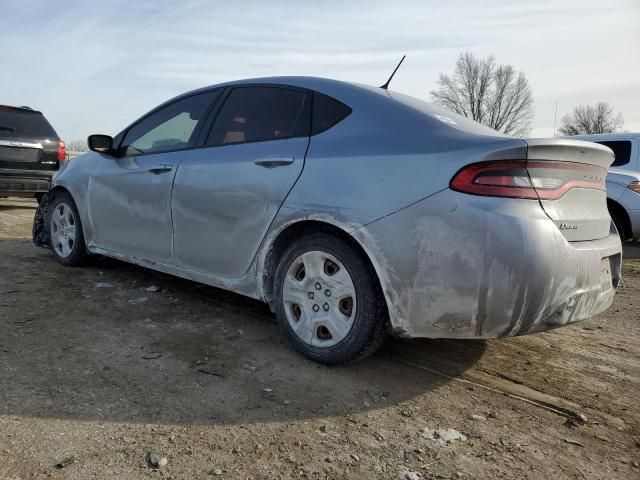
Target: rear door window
[
  {"x": 258, "y": 114},
  {"x": 327, "y": 112},
  {"x": 23, "y": 124},
  {"x": 621, "y": 150},
  {"x": 170, "y": 128}
]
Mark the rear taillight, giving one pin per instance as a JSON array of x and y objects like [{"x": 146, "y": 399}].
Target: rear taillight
[
  {"x": 635, "y": 186},
  {"x": 62, "y": 151},
  {"x": 527, "y": 179}
]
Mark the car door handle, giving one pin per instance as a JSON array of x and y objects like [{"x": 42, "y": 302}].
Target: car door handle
[
  {"x": 274, "y": 161},
  {"x": 158, "y": 169}
]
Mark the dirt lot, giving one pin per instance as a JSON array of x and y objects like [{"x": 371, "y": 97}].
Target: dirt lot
[{"x": 96, "y": 372}]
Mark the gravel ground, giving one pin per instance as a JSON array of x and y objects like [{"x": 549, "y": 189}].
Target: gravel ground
[{"x": 97, "y": 370}]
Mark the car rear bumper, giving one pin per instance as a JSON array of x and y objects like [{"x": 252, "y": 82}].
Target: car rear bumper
[
  {"x": 24, "y": 182},
  {"x": 458, "y": 266}
]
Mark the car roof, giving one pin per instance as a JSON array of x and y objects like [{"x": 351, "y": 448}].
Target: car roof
[
  {"x": 313, "y": 83},
  {"x": 334, "y": 88},
  {"x": 354, "y": 94},
  {"x": 19, "y": 109},
  {"x": 607, "y": 136}
]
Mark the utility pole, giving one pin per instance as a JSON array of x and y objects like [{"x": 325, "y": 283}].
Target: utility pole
[{"x": 555, "y": 115}]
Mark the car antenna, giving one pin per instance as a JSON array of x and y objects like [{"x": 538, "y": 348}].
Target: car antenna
[{"x": 386, "y": 85}]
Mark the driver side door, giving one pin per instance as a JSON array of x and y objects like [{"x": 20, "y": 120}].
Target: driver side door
[{"x": 129, "y": 196}]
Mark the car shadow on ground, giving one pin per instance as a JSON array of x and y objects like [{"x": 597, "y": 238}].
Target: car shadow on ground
[
  {"x": 17, "y": 203},
  {"x": 7, "y": 208},
  {"x": 116, "y": 342}
]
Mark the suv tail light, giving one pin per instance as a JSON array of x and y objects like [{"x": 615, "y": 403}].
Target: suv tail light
[
  {"x": 62, "y": 151},
  {"x": 544, "y": 180},
  {"x": 635, "y": 186}
]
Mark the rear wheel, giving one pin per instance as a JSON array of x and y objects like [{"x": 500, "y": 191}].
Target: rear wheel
[
  {"x": 65, "y": 231},
  {"x": 620, "y": 227},
  {"x": 327, "y": 301}
]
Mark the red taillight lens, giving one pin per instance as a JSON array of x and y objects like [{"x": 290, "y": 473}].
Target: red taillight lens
[
  {"x": 635, "y": 186},
  {"x": 62, "y": 151},
  {"x": 527, "y": 179}
]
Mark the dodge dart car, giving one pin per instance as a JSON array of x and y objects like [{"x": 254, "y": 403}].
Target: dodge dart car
[{"x": 353, "y": 211}]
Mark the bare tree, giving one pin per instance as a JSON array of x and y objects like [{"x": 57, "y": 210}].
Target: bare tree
[
  {"x": 77, "y": 146},
  {"x": 495, "y": 95},
  {"x": 587, "y": 119}
]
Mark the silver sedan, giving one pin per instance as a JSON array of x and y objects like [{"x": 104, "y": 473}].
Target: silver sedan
[{"x": 353, "y": 211}]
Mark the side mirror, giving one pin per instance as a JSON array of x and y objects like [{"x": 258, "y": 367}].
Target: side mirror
[{"x": 100, "y": 143}]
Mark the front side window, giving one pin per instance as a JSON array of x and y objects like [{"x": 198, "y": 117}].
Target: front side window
[
  {"x": 170, "y": 128},
  {"x": 621, "y": 150},
  {"x": 256, "y": 114}
]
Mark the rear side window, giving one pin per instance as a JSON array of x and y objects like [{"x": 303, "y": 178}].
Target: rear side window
[
  {"x": 621, "y": 150},
  {"x": 327, "y": 112},
  {"x": 23, "y": 124},
  {"x": 257, "y": 114},
  {"x": 170, "y": 128}
]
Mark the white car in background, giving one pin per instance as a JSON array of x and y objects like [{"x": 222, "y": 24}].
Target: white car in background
[{"x": 623, "y": 180}]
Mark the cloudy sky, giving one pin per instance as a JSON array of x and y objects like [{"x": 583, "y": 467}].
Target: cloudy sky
[{"x": 96, "y": 66}]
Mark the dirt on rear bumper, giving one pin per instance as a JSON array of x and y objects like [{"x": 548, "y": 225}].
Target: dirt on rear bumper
[{"x": 456, "y": 266}]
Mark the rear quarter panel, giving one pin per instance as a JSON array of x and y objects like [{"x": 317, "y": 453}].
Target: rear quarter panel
[{"x": 383, "y": 157}]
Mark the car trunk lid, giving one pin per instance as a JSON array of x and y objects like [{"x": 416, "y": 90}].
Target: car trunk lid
[{"x": 569, "y": 178}]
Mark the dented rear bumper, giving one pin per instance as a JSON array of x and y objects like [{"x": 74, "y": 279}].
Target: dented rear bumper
[{"x": 458, "y": 266}]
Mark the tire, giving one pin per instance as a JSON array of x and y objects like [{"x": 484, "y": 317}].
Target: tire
[
  {"x": 620, "y": 227},
  {"x": 66, "y": 238},
  {"x": 327, "y": 302},
  {"x": 39, "y": 197}
]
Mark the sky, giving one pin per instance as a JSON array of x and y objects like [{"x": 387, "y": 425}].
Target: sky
[{"x": 96, "y": 66}]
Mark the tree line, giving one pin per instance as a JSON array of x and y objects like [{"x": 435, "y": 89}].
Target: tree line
[{"x": 500, "y": 97}]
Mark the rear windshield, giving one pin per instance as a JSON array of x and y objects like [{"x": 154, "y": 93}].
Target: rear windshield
[
  {"x": 445, "y": 116},
  {"x": 23, "y": 124},
  {"x": 621, "y": 149}
]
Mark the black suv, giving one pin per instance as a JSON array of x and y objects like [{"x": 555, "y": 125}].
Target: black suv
[{"x": 30, "y": 152}]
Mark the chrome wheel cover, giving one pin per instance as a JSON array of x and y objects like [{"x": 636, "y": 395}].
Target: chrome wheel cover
[{"x": 319, "y": 299}]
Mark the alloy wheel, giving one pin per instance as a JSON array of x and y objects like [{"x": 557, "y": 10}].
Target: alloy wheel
[{"x": 63, "y": 229}]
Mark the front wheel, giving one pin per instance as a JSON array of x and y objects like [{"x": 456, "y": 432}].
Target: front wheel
[
  {"x": 327, "y": 301},
  {"x": 65, "y": 231}
]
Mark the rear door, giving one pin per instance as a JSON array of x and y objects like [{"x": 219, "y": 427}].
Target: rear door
[
  {"x": 227, "y": 193},
  {"x": 27, "y": 140},
  {"x": 569, "y": 178}
]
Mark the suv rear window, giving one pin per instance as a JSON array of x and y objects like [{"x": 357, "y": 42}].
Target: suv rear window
[
  {"x": 621, "y": 149},
  {"x": 327, "y": 112},
  {"x": 23, "y": 124}
]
